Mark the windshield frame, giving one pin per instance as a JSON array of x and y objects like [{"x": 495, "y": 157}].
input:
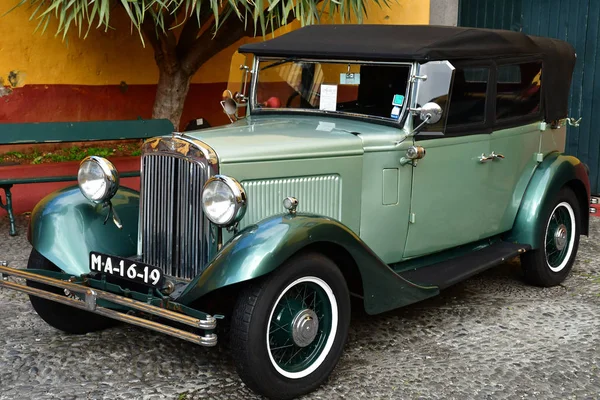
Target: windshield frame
[{"x": 399, "y": 123}]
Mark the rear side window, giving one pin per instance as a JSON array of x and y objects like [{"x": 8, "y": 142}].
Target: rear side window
[
  {"x": 518, "y": 90},
  {"x": 467, "y": 104}
]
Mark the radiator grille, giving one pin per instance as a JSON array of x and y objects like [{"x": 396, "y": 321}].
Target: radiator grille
[{"x": 174, "y": 231}]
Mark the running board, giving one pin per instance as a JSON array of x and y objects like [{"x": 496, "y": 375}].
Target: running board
[{"x": 450, "y": 272}]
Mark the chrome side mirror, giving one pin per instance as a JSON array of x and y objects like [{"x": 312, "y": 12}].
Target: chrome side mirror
[
  {"x": 230, "y": 106},
  {"x": 430, "y": 113}
]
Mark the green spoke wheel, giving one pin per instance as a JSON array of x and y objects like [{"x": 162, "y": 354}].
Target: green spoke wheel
[
  {"x": 559, "y": 236},
  {"x": 301, "y": 327},
  {"x": 559, "y": 230},
  {"x": 289, "y": 328}
]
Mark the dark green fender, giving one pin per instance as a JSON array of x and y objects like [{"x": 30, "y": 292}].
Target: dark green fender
[
  {"x": 261, "y": 248},
  {"x": 65, "y": 227},
  {"x": 556, "y": 171}
]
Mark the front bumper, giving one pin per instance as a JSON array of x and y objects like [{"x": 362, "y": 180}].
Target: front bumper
[{"x": 87, "y": 297}]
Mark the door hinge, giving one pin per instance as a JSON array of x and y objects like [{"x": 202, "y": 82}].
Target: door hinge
[
  {"x": 538, "y": 157},
  {"x": 412, "y": 218}
]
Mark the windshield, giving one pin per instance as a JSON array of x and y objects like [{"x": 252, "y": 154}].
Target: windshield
[{"x": 372, "y": 90}]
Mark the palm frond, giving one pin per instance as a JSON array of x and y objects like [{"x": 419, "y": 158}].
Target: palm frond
[{"x": 264, "y": 15}]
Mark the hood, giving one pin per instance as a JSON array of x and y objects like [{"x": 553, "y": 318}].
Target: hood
[{"x": 280, "y": 138}]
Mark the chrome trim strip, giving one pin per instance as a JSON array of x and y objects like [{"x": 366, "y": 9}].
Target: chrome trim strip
[
  {"x": 92, "y": 295},
  {"x": 184, "y": 146}
]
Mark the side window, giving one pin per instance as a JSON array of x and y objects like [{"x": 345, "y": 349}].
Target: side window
[
  {"x": 467, "y": 103},
  {"x": 518, "y": 90}
]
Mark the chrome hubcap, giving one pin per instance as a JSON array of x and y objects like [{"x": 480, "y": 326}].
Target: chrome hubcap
[
  {"x": 305, "y": 327},
  {"x": 560, "y": 237}
]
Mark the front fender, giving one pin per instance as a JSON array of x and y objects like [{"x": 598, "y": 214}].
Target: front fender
[
  {"x": 556, "y": 171},
  {"x": 65, "y": 227},
  {"x": 263, "y": 247}
]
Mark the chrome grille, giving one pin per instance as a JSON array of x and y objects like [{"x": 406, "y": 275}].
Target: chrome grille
[{"x": 174, "y": 232}]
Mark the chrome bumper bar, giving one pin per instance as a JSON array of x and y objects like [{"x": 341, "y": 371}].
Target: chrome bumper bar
[{"x": 90, "y": 297}]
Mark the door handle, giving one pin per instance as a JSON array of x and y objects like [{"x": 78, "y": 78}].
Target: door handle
[{"x": 493, "y": 156}]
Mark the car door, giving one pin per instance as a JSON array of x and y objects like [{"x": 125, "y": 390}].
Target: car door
[
  {"x": 449, "y": 201},
  {"x": 518, "y": 114}
]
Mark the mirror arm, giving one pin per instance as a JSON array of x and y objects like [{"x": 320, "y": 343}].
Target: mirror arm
[{"x": 421, "y": 125}]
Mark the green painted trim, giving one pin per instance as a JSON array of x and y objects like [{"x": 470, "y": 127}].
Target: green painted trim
[
  {"x": 551, "y": 175},
  {"x": 52, "y": 132},
  {"x": 65, "y": 227},
  {"x": 263, "y": 247},
  {"x": 69, "y": 178}
]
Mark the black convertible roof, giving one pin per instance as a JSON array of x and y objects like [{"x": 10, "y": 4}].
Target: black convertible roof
[
  {"x": 427, "y": 43},
  {"x": 404, "y": 42}
]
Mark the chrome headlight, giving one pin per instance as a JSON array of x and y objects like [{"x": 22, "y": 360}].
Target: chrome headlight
[
  {"x": 98, "y": 179},
  {"x": 223, "y": 200}
]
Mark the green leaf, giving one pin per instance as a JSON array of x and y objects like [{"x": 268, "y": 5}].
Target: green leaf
[
  {"x": 104, "y": 13},
  {"x": 19, "y": 4}
]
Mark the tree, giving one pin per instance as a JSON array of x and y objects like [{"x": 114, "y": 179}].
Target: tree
[{"x": 184, "y": 34}]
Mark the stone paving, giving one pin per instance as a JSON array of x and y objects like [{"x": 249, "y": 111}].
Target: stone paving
[{"x": 489, "y": 337}]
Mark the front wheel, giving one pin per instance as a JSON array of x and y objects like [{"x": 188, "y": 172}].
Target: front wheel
[
  {"x": 289, "y": 329},
  {"x": 60, "y": 316},
  {"x": 550, "y": 264}
]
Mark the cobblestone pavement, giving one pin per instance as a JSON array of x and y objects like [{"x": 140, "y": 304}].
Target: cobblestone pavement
[{"x": 489, "y": 337}]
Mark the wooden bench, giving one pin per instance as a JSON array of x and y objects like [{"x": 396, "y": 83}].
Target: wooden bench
[{"x": 69, "y": 132}]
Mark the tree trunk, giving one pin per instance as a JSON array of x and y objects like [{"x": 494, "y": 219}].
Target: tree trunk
[{"x": 171, "y": 91}]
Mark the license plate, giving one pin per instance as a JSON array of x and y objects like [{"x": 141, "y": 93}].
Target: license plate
[{"x": 124, "y": 268}]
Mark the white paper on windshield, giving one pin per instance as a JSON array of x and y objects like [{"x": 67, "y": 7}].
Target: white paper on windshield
[
  {"x": 326, "y": 126},
  {"x": 328, "y": 99}
]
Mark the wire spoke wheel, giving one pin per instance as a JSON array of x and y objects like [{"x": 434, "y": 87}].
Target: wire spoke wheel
[
  {"x": 301, "y": 327},
  {"x": 289, "y": 328},
  {"x": 560, "y": 236}
]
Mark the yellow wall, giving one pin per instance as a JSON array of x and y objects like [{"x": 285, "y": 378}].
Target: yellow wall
[{"x": 107, "y": 58}]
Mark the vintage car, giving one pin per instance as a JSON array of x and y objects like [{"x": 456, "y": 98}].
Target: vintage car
[{"x": 384, "y": 163}]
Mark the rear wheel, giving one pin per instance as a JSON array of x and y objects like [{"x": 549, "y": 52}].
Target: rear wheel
[
  {"x": 289, "y": 329},
  {"x": 60, "y": 316},
  {"x": 550, "y": 264}
]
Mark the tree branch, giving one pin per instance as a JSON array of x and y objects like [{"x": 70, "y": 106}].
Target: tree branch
[
  {"x": 206, "y": 46},
  {"x": 163, "y": 43},
  {"x": 190, "y": 31}
]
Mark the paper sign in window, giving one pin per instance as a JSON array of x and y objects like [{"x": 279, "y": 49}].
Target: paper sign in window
[{"x": 328, "y": 99}]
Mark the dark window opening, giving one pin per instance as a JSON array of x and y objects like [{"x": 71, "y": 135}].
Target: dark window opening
[
  {"x": 518, "y": 90},
  {"x": 469, "y": 92}
]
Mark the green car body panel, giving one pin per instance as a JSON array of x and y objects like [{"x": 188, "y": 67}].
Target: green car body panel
[
  {"x": 555, "y": 172},
  {"x": 484, "y": 197},
  {"x": 65, "y": 227},
  {"x": 263, "y": 247}
]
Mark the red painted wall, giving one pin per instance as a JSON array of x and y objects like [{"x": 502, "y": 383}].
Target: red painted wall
[{"x": 66, "y": 103}]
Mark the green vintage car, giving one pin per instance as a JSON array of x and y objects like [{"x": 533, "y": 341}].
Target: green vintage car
[{"x": 384, "y": 163}]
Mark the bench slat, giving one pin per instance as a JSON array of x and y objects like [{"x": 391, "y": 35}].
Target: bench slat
[
  {"x": 52, "y": 132},
  {"x": 44, "y": 179}
]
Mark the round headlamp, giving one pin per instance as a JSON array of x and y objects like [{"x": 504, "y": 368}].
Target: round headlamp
[
  {"x": 98, "y": 179},
  {"x": 223, "y": 200}
]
